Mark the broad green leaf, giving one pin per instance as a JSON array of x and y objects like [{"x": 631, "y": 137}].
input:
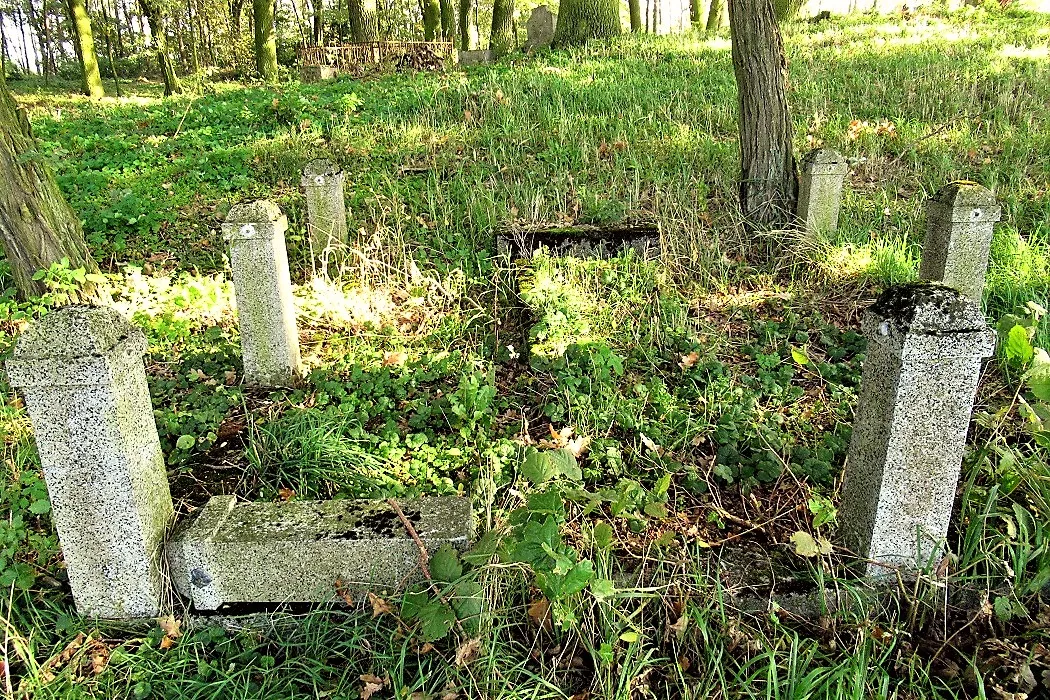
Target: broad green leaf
[
  {"x": 437, "y": 620},
  {"x": 413, "y": 604},
  {"x": 603, "y": 535},
  {"x": 578, "y": 578},
  {"x": 662, "y": 485},
  {"x": 1038, "y": 380},
  {"x": 800, "y": 357},
  {"x": 547, "y": 503},
  {"x": 603, "y": 588},
  {"x": 806, "y": 546},
  {"x": 565, "y": 464},
  {"x": 467, "y": 599},
  {"x": 445, "y": 565},
  {"x": 1017, "y": 346},
  {"x": 39, "y": 507},
  {"x": 630, "y": 637},
  {"x": 482, "y": 551},
  {"x": 537, "y": 467},
  {"x": 656, "y": 510},
  {"x": 185, "y": 442}
]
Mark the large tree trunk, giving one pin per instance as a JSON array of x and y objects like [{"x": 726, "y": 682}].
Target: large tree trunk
[
  {"x": 159, "y": 31},
  {"x": 716, "y": 15},
  {"x": 448, "y": 19},
  {"x": 432, "y": 19},
  {"x": 769, "y": 179},
  {"x": 582, "y": 20},
  {"x": 635, "y": 7},
  {"x": 468, "y": 26},
  {"x": 236, "y": 6},
  {"x": 265, "y": 39},
  {"x": 501, "y": 39},
  {"x": 364, "y": 20},
  {"x": 37, "y": 227}
]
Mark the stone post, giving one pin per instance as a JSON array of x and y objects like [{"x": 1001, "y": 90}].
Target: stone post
[
  {"x": 81, "y": 372},
  {"x": 326, "y": 210},
  {"x": 820, "y": 190},
  {"x": 265, "y": 308},
  {"x": 925, "y": 346},
  {"x": 959, "y": 224}
]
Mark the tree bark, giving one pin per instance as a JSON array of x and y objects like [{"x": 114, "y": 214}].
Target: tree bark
[
  {"x": 364, "y": 20},
  {"x": 265, "y": 39},
  {"x": 91, "y": 82},
  {"x": 769, "y": 179},
  {"x": 715, "y": 15},
  {"x": 468, "y": 27},
  {"x": 448, "y": 19},
  {"x": 159, "y": 31},
  {"x": 432, "y": 19},
  {"x": 635, "y": 7},
  {"x": 501, "y": 38},
  {"x": 236, "y": 6},
  {"x": 37, "y": 227},
  {"x": 696, "y": 12},
  {"x": 318, "y": 23},
  {"x": 579, "y": 21}
]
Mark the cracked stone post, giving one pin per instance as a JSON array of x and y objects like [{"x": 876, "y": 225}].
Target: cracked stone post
[
  {"x": 265, "y": 308},
  {"x": 925, "y": 347},
  {"x": 80, "y": 369},
  {"x": 326, "y": 211},
  {"x": 820, "y": 190},
  {"x": 960, "y": 220}
]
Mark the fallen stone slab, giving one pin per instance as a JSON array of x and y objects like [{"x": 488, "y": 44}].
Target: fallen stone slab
[{"x": 296, "y": 552}]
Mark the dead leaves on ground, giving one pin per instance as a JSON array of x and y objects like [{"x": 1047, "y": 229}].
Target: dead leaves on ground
[{"x": 84, "y": 656}]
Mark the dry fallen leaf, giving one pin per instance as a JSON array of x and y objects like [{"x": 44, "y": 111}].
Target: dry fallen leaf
[
  {"x": 647, "y": 441},
  {"x": 468, "y": 651},
  {"x": 540, "y": 614},
  {"x": 379, "y": 606},
  {"x": 171, "y": 626},
  {"x": 689, "y": 360},
  {"x": 342, "y": 592},
  {"x": 371, "y": 684},
  {"x": 394, "y": 359},
  {"x": 286, "y": 494}
]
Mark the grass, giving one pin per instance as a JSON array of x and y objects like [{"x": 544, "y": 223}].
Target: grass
[{"x": 709, "y": 396}]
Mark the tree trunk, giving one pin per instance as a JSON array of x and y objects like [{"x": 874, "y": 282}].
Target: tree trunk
[
  {"x": 448, "y": 19},
  {"x": 579, "y": 21},
  {"x": 318, "y": 23},
  {"x": 715, "y": 15},
  {"x": 37, "y": 227},
  {"x": 265, "y": 39},
  {"x": 635, "y": 7},
  {"x": 108, "y": 34},
  {"x": 696, "y": 12},
  {"x": 769, "y": 179},
  {"x": 501, "y": 38},
  {"x": 432, "y": 19},
  {"x": 364, "y": 20},
  {"x": 236, "y": 6},
  {"x": 159, "y": 32},
  {"x": 468, "y": 27}
]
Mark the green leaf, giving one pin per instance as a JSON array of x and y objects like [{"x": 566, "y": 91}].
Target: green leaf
[
  {"x": 1038, "y": 380},
  {"x": 603, "y": 588},
  {"x": 800, "y": 357},
  {"x": 39, "y": 507},
  {"x": 806, "y": 546},
  {"x": 445, "y": 565},
  {"x": 467, "y": 600},
  {"x": 578, "y": 578},
  {"x": 662, "y": 485},
  {"x": 413, "y": 604},
  {"x": 437, "y": 620},
  {"x": 1018, "y": 348},
  {"x": 630, "y": 637},
  {"x": 546, "y": 503},
  {"x": 185, "y": 442},
  {"x": 656, "y": 510},
  {"x": 482, "y": 551},
  {"x": 1004, "y": 609},
  {"x": 565, "y": 464},
  {"x": 603, "y": 535},
  {"x": 537, "y": 467}
]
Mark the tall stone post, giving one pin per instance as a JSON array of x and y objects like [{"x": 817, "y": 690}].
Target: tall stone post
[
  {"x": 820, "y": 190},
  {"x": 326, "y": 210},
  {"x": 960, "y": 220},
  {"x": 80, "y": 369},
  {"x": 925, "y": 346},
  {"x": 265, "y": 307}
]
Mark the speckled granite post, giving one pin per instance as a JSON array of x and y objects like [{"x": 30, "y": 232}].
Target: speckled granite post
[
  {"x": 326, "y": 210},
  {"x": 295, "y": 552},
  {"x": 820, "y": 190},
  {"x": 960, "y": 220},
  {"x": 81, "y": 372},
  {"x": 925, "y": 346},
  {"x": 265, "y": 308}
]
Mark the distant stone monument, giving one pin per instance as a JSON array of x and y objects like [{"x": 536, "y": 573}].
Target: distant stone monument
[
  {"x": 540, "y": 28},
  {"x": 820, "y": 190},
  {"x": 265, "y": 307},
  {"x": 474, "y": 58},
  {"x": 960, "y": 223},
  {"x": 326, "y": 210},
  {"x": 80, "y": 369},
  {"x": 925, "y": 347},
  {"x": 317, "y": 74}
]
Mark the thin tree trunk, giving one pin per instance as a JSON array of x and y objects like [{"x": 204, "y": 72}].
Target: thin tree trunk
[
  {"x": 769, "y": 179},
  {"x": 37, "y": 227},
  {"x": 318, "y": 23},
  {"x": 3, "y": 46},
  {"x": 696, "y": 12},
  {"x": 714, "y": 15},
  {"x": 25, "y": 39},
  {"x": 159, "y": 32},
  {"x": 236, "y": 7},
  {"x": 265, "y": 39},
  {"x": 468, "y": 28},
  {"x": 108, "y": 34},
  {"x": 582, "y": 20},
  {"x": 635, "y": 7},
  {"x": 448, "y": 19},
  {"x": 501, "y": 38},
  {"x": 431, "y": 10},
  {"x": 85, "y": 42}
]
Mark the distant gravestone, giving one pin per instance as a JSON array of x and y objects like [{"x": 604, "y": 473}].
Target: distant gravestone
[
  {"x": 474, "y": 58},
  {"x": 820, "y": 190},
  {"x": 960, "y": 223},
  {"x": 540, "y": 28},
  {"x": 326, "y": 211},
  {"x": 80, "y": 369},
  {"x": 926, "y": 343}
]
